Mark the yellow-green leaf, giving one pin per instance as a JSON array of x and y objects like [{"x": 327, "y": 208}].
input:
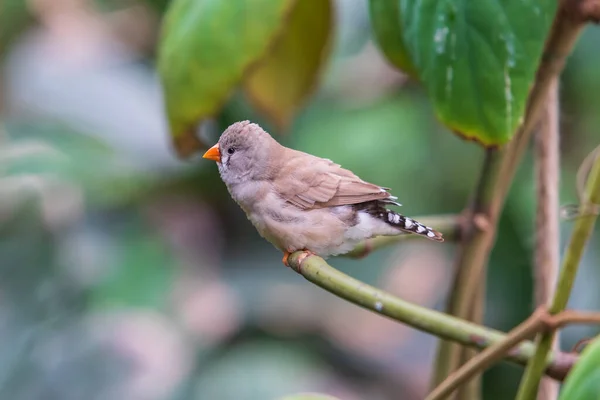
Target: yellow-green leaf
[
  {"x": 282, "y": 80},
  {"x": 206, "y": 47}
]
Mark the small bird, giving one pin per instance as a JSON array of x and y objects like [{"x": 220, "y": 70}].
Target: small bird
[{"x": 298, "y": 201}]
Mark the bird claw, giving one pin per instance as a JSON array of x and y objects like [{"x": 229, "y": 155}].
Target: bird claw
[{"x": 287, "y": 254}]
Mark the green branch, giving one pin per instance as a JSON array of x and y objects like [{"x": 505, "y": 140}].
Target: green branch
[
  {"x": 582, "y": 230},
  {"x": 317, "y": 271},
  {"x": 448, "y": 225}
]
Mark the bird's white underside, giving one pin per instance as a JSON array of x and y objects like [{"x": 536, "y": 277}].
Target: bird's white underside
[
  {"x": 367, "y": 227},
  {"x": 322, "y": 231}
]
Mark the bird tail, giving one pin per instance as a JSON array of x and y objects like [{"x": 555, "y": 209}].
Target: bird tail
[{"x": 410, "y": 225}]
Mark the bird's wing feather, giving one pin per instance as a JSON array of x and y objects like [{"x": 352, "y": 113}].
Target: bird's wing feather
[{"x": 313, "y": 182}]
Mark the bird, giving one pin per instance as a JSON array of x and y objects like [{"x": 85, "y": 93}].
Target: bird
[{"x": 301, "y": 202}]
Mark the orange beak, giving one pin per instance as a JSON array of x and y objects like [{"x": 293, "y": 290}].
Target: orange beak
[{"x": 213, "y": 153}]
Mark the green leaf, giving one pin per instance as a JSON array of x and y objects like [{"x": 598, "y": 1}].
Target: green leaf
[
  {"x": 583, "y": 382},
  {"x": 388, "y": 33},
  {"x": 477, "y": 59},
  {"x": 206, "y": 46},
  {"x": 288, "y": 74}
]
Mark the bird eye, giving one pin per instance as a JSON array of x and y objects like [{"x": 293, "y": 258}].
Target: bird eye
[{"x": 231, "y": 150}]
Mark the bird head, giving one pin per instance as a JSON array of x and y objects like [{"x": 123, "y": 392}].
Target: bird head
[{"x": 243, "y": 150}]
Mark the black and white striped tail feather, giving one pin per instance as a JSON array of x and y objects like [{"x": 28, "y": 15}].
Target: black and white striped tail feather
[{"x": 410, "y": 225}]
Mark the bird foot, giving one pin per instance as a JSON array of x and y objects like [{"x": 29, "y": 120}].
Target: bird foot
[{"x": 287, "y": 254}]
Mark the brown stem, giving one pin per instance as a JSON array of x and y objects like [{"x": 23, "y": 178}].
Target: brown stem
[
  {"x": 487, "y": 357},
  {"x": 580, "y": 235},
  {"x": 468, "y": 291},
  {"x": 540, "y": 320},
  {"x": 590, "y": 10},
  {"x": 570, "y": 317},
  {"x": 547, "y": 256}
]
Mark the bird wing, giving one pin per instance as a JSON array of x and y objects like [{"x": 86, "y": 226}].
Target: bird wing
[{"x": 309, "y": 182}]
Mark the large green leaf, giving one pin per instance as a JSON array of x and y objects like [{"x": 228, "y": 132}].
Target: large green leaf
[
  {"x": 206, "y": 46},
  {"x": 477, "y": 59},
  {"x": 388, "y": 33},
  {"x": 283, "y": 79},
  {"x": 583, "y": 382}
]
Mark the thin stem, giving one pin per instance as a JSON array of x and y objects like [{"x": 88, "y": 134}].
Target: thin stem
[
  {"x": 448, "y": 225},
  {"x": 450, "y": 355},
  {"x": 316, "y": 270},
  {"x": 487, "y": 357},
  {"x": 540, "y": 320},
  {"x": 579, "y": 238},
  {"x": 475, "y": 248},
  {"x": 547, "y": 254}
]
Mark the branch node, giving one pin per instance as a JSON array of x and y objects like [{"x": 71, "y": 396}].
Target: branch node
[
  {"x": 550, "y": 322},
  {"x": 301, "y": 257},
  {"x": 580, "y": 11},
  {"x": 590, "y": 10},
  {"x": 482, "y": 222}
]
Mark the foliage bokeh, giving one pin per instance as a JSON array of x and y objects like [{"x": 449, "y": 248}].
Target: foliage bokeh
[{"x": 125, "y": 273}]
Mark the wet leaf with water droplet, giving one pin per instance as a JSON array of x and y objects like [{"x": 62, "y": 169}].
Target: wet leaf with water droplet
[
  {"x": 477, "y": 59},
  {"x": 583, "y": 382}
]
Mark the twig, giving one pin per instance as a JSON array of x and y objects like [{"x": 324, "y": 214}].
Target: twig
[
  {"x": 317, "y": 271},
  {"x": 487, "y": 357},
  {"x": 570, "y": 317},
  {"x": 448, "y": 225},
  {"x": 579, "y": 238},
  {"x": 547, "y": 254},
  {"x": 581, "y": 343},
  {"x": 475, "y": 225},
  {"x": 469, "y": 279},
  {"x": 538, "y": 321},
  {"x": 475, "y": 248}
]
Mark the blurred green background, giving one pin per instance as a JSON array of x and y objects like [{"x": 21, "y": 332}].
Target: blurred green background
[{"x": 128, "y": 274}]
